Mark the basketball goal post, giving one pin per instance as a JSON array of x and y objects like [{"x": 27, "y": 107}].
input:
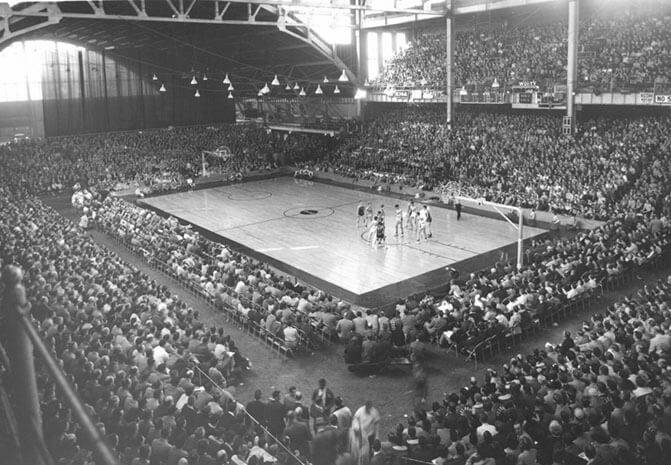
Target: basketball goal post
[
  {"x": 222, "y": 153},
  {"x": 502, "y": 209}
]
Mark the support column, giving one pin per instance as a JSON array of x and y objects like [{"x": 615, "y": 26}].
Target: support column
[
  {"x": 362, "y": 57},
  {"x": 449, "y": 27},
  {"x": 520, "y": 238},
  {"x": 571, "y": 65}
]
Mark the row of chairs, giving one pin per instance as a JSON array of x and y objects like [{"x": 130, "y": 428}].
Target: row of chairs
[
  {"x": 490, "y": 346},
  {"x": 325, "y": 335}
]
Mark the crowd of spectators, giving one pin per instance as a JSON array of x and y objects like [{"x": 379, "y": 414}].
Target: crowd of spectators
[
  {"x": 617, "y": 50},
  {"x": 516, "y": 159},
  {"x": 280, "y": 306},
  {"x": 504, "y": 302},
  {"x": 149, "y": 371},
  {"x": 152, "y": 160},
  {"x": 601, "y": 396},
  {"x": 160, "y": 384}
]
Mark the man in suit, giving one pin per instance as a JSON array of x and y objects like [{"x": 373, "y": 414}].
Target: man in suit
[
  {"x": 257, "y": 408},
  {"x": 328, "y": 442},
  {"x": 275, "y": 415},
  {"x": 299, "y": 433},
  {"x": 326, "y": 396}
]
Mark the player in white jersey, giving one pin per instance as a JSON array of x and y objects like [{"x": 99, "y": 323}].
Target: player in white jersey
[
  {"x": 422, "y": 216},
  {"x": 371, "y": 234},
  {"x": 412, "y": 215},
  {"x": 399, "y": 220},
  {"x": 369, "y": 214}
]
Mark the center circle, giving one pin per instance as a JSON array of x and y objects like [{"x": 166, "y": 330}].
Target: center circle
[{"x": 308, "y": 212}]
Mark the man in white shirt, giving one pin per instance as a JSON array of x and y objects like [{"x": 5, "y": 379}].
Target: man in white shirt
[
  {"x": 159, "y": 353},
  {"x": 291, "y": 336},
  {"x": 480, "y": 431}
]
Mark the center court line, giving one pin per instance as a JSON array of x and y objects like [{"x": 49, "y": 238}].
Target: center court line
[{"x": 282, "y": 217}]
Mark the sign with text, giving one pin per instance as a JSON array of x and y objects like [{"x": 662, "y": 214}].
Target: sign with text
[
  {"x": 646, "y": 98},
  {"x": 663, "y": 99},
  {"x": 525, "y": 97}
]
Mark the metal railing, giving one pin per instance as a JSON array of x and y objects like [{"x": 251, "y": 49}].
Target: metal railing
[
  {"x": 103, "y": 452},
  {"x": 25, "y": 344}
]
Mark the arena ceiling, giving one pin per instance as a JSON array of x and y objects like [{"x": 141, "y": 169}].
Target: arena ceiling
[{"x": 254, "y": 39}]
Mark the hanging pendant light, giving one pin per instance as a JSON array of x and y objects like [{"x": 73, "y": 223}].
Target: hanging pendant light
[
  {"x": 336, "y": 90},
  {"x": 230, "y": 95},
  {"x": 204, "y": 77},
  {"x": 296, "y": 86},
  {"x": 197, "y": 94},
  {"x": 230, "y": 87},
  {"x": 260, "y": 94},
  {"x": 276, "y": 82},
  {"x": 162, "y": 89},
  {"x": 495, "y": 84},
  {"x": 319, "y": 90},
  {"x": 287, "y": 87},
  {"x": 302, "y": 92},
  {"x": 326, "y": 80},
  {"x": 463, "y": 91},
  {"x": 366, "y": 83},
  {"x": 193, "y": 80},
  {"x": 343, "y": 77},
  {"x": 226, "y": 80},
  {"x": 265, "y": 89},
  {"x": 154, "y": 77}
]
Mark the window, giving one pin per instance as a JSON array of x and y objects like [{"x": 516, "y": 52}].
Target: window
[
  {"x": 22, "y": 65},
  {"x": 387, "y": 46},
  {"x": 401, "y": 42},
  {"x": 373, "y": 65},
  {"x": 331, "y": 24}
]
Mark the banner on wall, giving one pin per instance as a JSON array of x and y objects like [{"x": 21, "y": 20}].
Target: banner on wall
[
  {"x": 663, "y": 99},
  {"x": 646, "y": 98},
  {"x": 525, "y": 97}
]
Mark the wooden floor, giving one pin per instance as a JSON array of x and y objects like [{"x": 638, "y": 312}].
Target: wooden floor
[{"x": 326, "y": 248}]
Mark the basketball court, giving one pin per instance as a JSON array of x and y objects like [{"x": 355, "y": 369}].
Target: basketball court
[{"x": 308, "y": 230}]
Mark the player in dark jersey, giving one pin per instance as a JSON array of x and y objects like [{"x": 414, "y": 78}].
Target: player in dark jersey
[
  {"x": 360, "y": 215},
  {"x": 380, "y": 238}
]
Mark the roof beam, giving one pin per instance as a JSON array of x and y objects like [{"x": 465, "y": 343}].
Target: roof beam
[
  {"x": 330, "y": 5},
  {"x": 384, "y": 19}
]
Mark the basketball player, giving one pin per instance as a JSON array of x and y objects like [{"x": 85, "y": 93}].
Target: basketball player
[
  {"x": 421, "y": 223},
  {"x": 412, "y": 215},
  {"x": 371, "y": 234},
  {"x": 399, "y": 220},
  {"x": 360, "y": 218},
  {"x": 369, "y": 213},
  {"x": 380, "y": 238}
]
